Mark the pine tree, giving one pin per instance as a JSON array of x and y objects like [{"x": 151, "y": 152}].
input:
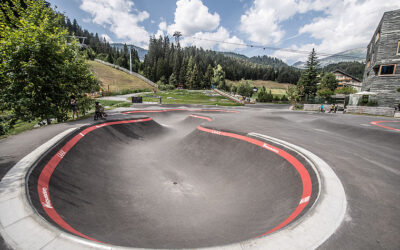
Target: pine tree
[
  {"x": 208, "y": 76},
  {"x": 173, "y": 80},
  {"x": 189, "y": 70},
  {"x": 307, "y": 84}
]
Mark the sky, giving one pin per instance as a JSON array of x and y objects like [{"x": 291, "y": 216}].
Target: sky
[{"x": 329, "y": 26}]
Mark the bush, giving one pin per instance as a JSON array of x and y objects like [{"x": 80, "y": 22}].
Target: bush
[
  {"x": 276, "y": 98},
  {"x": 245, "y": 89},
  {"x": 264, "y": 96},
  {"x": 233, "y": 89},
  {"x": 102, "y": 56},
  {"x": 298, "y": 106},
  {"x": 284, "y": 99},
  {"x": 325, "y": 92},
  {"x": 372, "y": 103},
  {"x": 162, "y": 86},
  {"x": 346, "y": 90}
]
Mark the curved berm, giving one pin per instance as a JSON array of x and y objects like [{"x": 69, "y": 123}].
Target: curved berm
[{"x": 137, "y": 183}]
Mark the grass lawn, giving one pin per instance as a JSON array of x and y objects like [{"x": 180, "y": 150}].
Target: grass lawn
[
  {"x": 181, "y": 96},
  {"x": 116, "y": 79},
  {"x": 275, "y": 87}
]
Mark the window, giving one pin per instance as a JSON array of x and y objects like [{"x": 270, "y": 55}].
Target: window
[
  {"x": 398, "y": 48},
  {"x": 387, "y": 69},
  {"x": 378, "y": 35}
]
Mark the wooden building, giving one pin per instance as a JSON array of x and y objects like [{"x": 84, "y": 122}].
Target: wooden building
[
  {"x": 346, "y": 80},
  {"x": 382, "y": 70}
]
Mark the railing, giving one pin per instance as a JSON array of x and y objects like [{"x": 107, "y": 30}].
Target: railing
[{"x": 232, "y": 98}]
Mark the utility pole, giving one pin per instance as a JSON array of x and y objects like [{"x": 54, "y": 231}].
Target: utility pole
[{"x": 130, "y": 59}]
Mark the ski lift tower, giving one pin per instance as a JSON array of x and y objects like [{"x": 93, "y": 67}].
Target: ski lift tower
[{"x": 81, "y": 44}]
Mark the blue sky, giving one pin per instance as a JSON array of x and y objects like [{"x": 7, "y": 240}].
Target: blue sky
[{"x": 329, "y": 26}]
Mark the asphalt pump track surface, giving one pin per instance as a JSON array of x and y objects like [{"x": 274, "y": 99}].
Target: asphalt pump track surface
[{"x": 136, "y": 182}]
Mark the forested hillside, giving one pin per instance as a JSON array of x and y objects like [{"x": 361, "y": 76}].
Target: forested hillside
[
  {"x": 95, "y": 47},
  {"x": 355, "y": 69},
  {"x": 264, "y": 60},
  {"x": 193, "y": 67}
]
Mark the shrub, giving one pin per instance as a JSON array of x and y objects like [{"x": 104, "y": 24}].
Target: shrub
[
  {"x": 325, "y": 92},
  {"x": 284, "y": 98},
  {"x": 245, "y": 89},
  {"x": 162, "y": 86},
  {"x": 372, "y": 103},
  {"x": 346, "y": 90}
]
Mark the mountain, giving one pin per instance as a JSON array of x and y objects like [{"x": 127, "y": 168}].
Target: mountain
[
  {"x": 264, "y": 60},
  {"x": 235, "y": 55},
  {"x": 141, "y": 52},
  {"x": 351, "y": 55}
]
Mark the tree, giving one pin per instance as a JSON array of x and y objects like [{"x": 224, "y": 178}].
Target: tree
[
  {"x": 173, "y": 80},
  {"x": 263, "y": 95},
  {"x": 218, "y": 79},
  {"x": 39, "y": 70},
  {"x": 307, "y": 84},
  {"x": 194, "y": 78},
  {"x": 324, "y": 92},
  {"x": 292, "y": 94},
  {"x": 346, "y": 90},
  {"x": 329, "y": 81},
  {"x": 245, "y": 89},
  {"x": 208, "y": 76},
  {"x": 284, "y": 98}
]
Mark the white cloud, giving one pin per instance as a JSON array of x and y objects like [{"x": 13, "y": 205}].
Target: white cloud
[
  {"x": 107, "y": 37},
  {"x": 159, "y": 33},
  {"x": 290, "y": 57},
  {"x": 262, "y": 21},
  {"x": 198, "y": 26},
  {"x": 209, "y": 40},
  {"x": 345, "y": 24},
  {"x": 348, "y": 24},
  {"x": 120, "y": 17},
  {"x": 192, "y": 16},
  {"x": 162, "y": 26}
]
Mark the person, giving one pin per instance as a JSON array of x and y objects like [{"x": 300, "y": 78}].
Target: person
[
  {"x": 74, "y": 106},
  {"x": 99, "y": 111},
  {"x": 322, "y": 108},
  {"x": 332, "y": 108},
  {"x": 335, "y": 108}
]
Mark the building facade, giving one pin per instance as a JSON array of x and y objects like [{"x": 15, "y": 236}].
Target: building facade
[
  {"x": 382, "y": 70},
  {"x": 346, "y": 80}
]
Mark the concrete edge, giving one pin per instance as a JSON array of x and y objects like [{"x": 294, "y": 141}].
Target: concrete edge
[
  {"x": 322, "y": 220},
  {"x": 22, "y": 228}
]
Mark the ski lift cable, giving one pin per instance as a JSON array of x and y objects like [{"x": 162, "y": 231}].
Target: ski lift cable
[{"x": 280, "y": 49}]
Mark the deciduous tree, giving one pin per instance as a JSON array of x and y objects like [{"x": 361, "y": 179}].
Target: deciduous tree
[{"x": 39, "y": 70}]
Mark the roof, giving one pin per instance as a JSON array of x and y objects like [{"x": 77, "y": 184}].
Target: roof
[{"x": 344, "y": 73}]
